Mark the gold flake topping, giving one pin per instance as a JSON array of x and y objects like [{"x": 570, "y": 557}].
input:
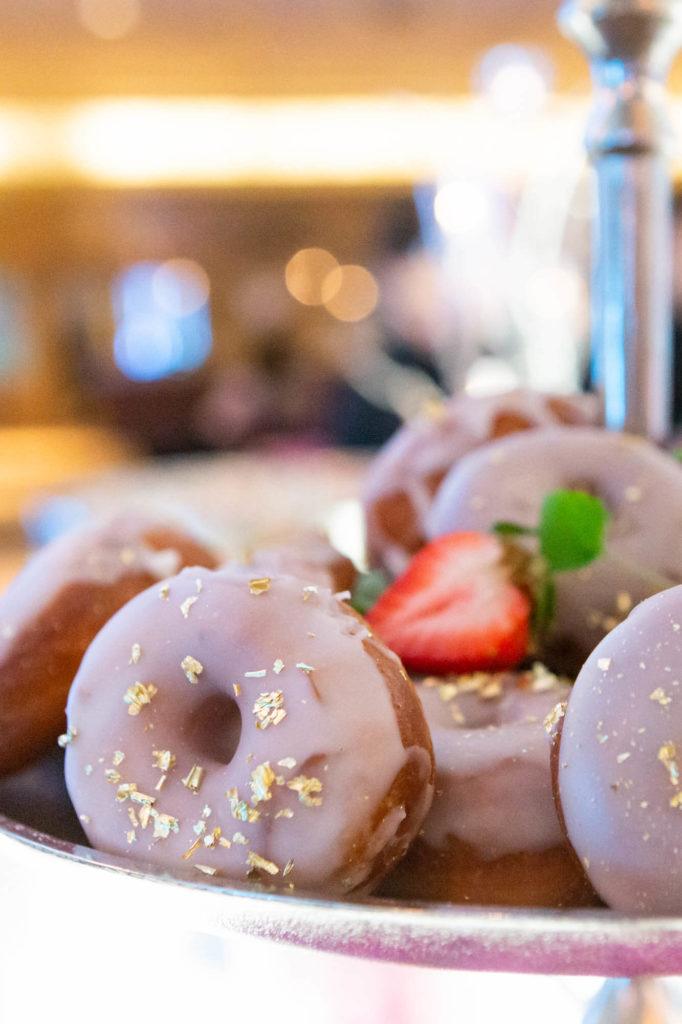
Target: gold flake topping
[
  {"x": 192, "y": 668},
  {"x": 262, "y": 779},
  {"x": 137, "y": 695},
  {"x": 135, "y": 654},
  {"x": 240, "y": 809},
  {"x": 125, "y": 790},
  {"x": 205, "y": 869},
  {"x": 287, "y": 762},
  {"x": 193, "y": 778},
  {"x": 278, "y": 666},
  {"x": 240, "y": 839},
  {"x": 555, "y": 715},
  {"x": 542, "y": 680},
  {"x": 604, "y": 664},
  {"x": 260, "y": 586},
  {"x": 676, "y": 800},
  {"x": 131, "y": 836},
  {"x": 164, "y": 592},
  {"x": 286, "y": 812},
  {"x": 113, "y": 776},
  {"x": 164, "y": 824},
  {"x": 269, "y": 709},
  {"x": 288, "y": 868},
  {"x": 309, "y": 592},
  {"x": 141, "y": 798},
  {"x": 304, "y": 667},
  {"x": 237, "y": 689},
  {"x": 660, "y": 696},
  {"x": 199, "y": 585},
  {"x": 67, "y": 737},
  {"x": 187, "y": 605},
  {"x": 255, "y": 861},
  {"x": 667, "y": 755},
  {"x": 190, "y": 851},
  {"x": 306, "y": 787},
  {"x": 211, "y": 840},
  {"x": 118, "y": 757},
  {"x": 623, "y": 757},
  {"x": 164, "y": 760}
]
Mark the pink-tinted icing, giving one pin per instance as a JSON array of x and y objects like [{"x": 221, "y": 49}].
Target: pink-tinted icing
[
  {"x": 341, "y": 729},
  {"x": 98, "y": 553},
  {"x": 428, "y": 446},
  {"x": 493, "y": 783},
  {"x": 309, "y": 556},
  {"x": 621, "y": 746},
  {"x": 640, "y": 485}
]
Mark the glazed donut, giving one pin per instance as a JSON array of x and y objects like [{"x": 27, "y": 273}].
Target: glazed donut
[
  {"x": 620, "y": 751},
  {"x": 642, "y": 489},
  {"x": 56, "y": 605},
  {"x": 265, "y": 734},
  {"x": 492, "y": 835},
  {"x": 407, "y": 472},
  {"x": 309, "y": 556}
]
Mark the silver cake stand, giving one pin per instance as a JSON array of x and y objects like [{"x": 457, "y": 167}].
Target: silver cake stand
[{"x": 42, "y": 853}]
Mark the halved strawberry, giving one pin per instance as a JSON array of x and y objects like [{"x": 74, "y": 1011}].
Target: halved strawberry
[{"x": 455, "y": 609}]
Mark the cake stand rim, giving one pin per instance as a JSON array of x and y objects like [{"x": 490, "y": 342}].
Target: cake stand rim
[{"x": 573, "y": 942}]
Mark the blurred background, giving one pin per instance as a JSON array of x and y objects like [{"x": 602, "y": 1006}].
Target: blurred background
[{"x": 237, "y": 226}]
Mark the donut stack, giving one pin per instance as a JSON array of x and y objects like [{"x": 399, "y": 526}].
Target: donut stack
[{"x": 243, "y": 721}]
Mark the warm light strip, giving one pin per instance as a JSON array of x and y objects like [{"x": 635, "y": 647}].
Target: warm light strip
[{"x": 358, "y": 141}]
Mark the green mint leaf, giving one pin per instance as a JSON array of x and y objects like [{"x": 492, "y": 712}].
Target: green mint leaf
[
  {"x": 367, "y": 590},
  {"x": 677, "y": 454},
  {"x": 572, "y": 530},
  {"x": 505, "y": 529},
  {"x": 544, "y": 607}
]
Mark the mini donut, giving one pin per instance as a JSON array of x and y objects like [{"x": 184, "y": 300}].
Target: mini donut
[
  {"x": 492, "y": 835},
  {"x": 407, "y": 472},
  {"x": 265, "y": 734},
  {"x": 308, "y": 556},
  {"x": 56, "y": 605},
  {"x": 620, "y": 752},
  {"x": 642, "y": 489}
]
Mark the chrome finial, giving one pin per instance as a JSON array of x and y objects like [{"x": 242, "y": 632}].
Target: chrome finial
[{"x": 630, "y": 44}]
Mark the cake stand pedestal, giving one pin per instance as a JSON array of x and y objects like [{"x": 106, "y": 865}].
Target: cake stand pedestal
[{"x": 630, "y": 45}]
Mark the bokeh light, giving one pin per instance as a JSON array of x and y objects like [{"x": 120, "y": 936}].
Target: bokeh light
[
  {"x": 514, "y": 79},
  {"x": 160, "y": 328},
  {"x": 554, "y": 294},
  {"x": 180, "y": 287},
  {"x": 306, "y": 273},
  {"x": 463, "y": 207},
  {"x": 350, "y": 293},
  {"x": 109, "y": 19}
]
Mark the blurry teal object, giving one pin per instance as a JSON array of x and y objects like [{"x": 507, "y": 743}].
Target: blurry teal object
[{"x": 14, "y": 341}]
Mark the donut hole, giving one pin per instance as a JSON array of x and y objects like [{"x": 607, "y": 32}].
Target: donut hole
[{"x": 215, "y": 728}]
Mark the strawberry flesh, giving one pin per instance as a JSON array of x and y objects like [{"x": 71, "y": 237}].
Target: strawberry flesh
[{"x": 455, "y": 609}]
